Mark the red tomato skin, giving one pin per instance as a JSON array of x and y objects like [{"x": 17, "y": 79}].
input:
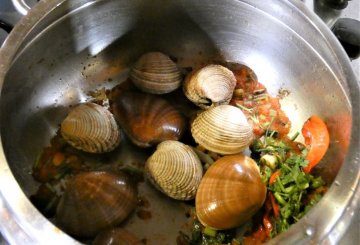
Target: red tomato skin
[{"x": 317, "y": 138}]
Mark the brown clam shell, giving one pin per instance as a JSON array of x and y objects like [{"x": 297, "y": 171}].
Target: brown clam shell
[
  {"x": 156, "y": 73},
  {"x": 147, "y": 119},
  {"x": 91, "y": 128},
  {"x": 175, "y": 169},
  {"x": 94, "y": 201},
  {"x": 116, "y": 236},
  {"x": 230, "y": 193}
]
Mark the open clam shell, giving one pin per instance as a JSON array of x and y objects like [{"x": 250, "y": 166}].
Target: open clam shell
[
  {"x": 223, "y": 129},
  {"x": 91, "y": 128},
  {"x": 230, "y": 193},
  {"x": 156, "y": 73},
  {"x": 94, "y": 201},
  {"x": 210, "y": 86},
  {"x": 175, "y": 169}
]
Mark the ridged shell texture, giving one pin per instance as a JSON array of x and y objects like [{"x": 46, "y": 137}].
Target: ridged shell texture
[
  {"x": 156, "y": 73},
  {"x": 116, "y": 236},
  {"x": 230, "y": 193},
  {"x": 94, "y": 201},
  {"x": 91, "y": 128},
  {"x": 210, "y": 86},
  {"x": 147, "y": 119},
  {"x": 175, "y": 169},
  {"x": 223, "y": 129}
]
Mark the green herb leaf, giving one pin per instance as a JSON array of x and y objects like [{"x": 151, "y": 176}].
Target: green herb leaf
[{"x": 292, "y": 188}]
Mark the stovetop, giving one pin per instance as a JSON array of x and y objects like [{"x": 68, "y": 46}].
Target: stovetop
[{"x": 11, "y": 16}]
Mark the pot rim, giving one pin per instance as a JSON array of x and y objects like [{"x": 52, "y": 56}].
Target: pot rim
[{"x": 23, "y": 223}]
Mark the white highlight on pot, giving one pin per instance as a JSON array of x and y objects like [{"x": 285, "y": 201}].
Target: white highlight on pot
[
  {"x": 264, "y": 70},
  {"x": 88, "y": 28}
]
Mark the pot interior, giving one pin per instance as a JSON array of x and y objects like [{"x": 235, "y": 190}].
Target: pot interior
[{"x": 92, "y": 46}]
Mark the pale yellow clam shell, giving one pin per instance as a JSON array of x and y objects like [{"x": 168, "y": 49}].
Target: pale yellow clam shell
[
  {"x": 210, "y": 86},
  {"x": 91, "y": 128},
  {"x": 175, "y": 169},
  {"x": 156, "y": 73},
  {"x": 222, "y": 129}
]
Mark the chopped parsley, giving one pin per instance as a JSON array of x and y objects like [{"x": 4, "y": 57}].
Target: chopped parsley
[
  {"x": 293, "y": 189},
  {"x": 206, "y": 236}
]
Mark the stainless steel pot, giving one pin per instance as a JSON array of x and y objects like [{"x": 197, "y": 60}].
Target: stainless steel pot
[{"x": 62, "y": 49}]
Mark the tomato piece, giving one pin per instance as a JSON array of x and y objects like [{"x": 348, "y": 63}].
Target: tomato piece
[
  {"x": 317, "y": 138},
  {"x": 260, "y": 234},
  {"x": 267, "y": 225},
  {"x": 58, "y": 158},
  {"x": 275, "y": 206},
  {"x": 255, "y": 239},
  {"x": 274, "y": 176}
]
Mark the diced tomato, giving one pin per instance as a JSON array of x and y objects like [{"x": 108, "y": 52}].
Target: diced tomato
[
  {"x": 281, "y": 123},
  {"x": 317, "y": 138},
  {"x": 263, "y": 109},
  {"x": 58, "y": 158},
  {"x": 275, "y": 103},
  {"x": 260, "y": 234},
  {"x": 274, "y": 176},
  {"x": 267, "y": 225},
  {"x": 275, "y": 206}
]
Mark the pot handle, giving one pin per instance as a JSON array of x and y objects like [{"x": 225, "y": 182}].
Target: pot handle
[
  {"x": 337, "y": 4},
  {"x": 5, "y": 26},
  {"x": 348, "y": 33},
  {"x": 21, "y": 6}
]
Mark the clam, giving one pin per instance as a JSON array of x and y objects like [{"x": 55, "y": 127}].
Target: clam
[
  {"x": 174, "y": 169},
  {"x": 223, "y": 129},
  {"x": 116, "y": 236},
  {"x": 91, "y": 128},
  {"x": 156, "y": 73},
  {"x": 94, "y": 201},
  {"x": 230, "y": 193},
  {"x": 147, "y": 119},
  {"x": 210, "y": 86}
]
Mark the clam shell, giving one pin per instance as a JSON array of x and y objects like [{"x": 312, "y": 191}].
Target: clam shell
[
  {"x": 91, "y": 128},
  {"x": 210, "y": 86},
  {"x": 230, "y": 193},
  {"x": 175, "y": 169},
  {"x": 94, "y": 201},
  {"x": 223, "y": 129},
  {"x": 116, "y": 236},
  {"x": 156, "y": 73},
  {"x": 147, "y": 119}
]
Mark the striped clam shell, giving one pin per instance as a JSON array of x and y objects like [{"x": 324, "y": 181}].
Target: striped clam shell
[
  {"x": 156, "y": 73},
  {"x": 147, "y": 119},
  {"x": 91, "y": 128},
  {"x": 175, "y": 169},
  {"x": 94, "y": 201},
  {"x": 222, "y": 129},
  {"x": 116, "y": 236},
  {"x": 230, "y": 192},
  {"x": 210, "y": 86}
]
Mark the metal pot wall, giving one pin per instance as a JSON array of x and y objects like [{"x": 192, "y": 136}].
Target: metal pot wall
[{"x": 41, "y": 73}]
